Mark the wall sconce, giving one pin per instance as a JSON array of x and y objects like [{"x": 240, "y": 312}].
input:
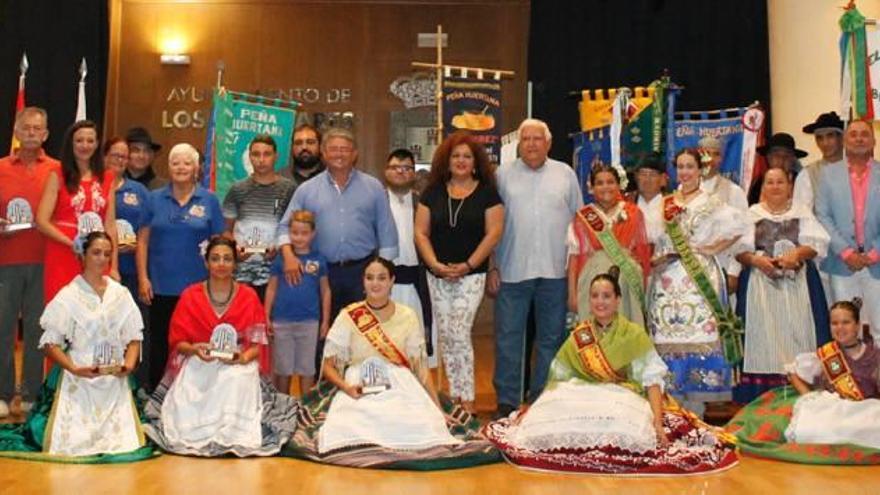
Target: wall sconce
[
  {"x": 173, "y": 52},
  {"x": 174, "y": 59}
]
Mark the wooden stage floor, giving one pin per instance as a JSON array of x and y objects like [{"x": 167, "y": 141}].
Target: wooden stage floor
[{"x": 174, "y": 474}]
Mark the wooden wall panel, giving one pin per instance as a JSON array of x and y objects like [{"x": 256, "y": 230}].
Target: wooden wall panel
[{"x": 272, "y": 44}]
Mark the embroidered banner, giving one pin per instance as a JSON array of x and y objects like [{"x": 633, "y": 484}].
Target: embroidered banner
[
  {"x": 641, "y": 125},
  {"x": 474, "y": 105},
  {"x": 237, "y": 118},
  {"x": 740, "y": 131}
]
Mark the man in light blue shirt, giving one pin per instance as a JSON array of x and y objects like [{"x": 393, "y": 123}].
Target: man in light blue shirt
[
  {"x": 353, "y": 220},
  {"x": 541, "y": 196}
]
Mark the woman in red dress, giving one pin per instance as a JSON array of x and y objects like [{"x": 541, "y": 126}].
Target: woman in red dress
[{"x": 77, "y": 200}]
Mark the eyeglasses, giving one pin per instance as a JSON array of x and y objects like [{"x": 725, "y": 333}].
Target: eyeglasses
[
  {"x": 401, "y": 168},
  {"x": 340, "y": 149},
  {"x": 117, "y": 156}
]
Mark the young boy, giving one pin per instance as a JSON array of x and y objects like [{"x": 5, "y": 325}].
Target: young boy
[{"x": 295, "y": 310}]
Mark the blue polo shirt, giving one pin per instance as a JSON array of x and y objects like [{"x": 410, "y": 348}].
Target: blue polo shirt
[
  {"x": 300, "y": 302},
  {"x": 176, "y": 233},
  {"x": 131, "y": 207},
  {"x": 352, "y": 222}
]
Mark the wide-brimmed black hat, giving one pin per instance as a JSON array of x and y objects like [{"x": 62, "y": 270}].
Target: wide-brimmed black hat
[
  {"x": 780, "y": 140},
  {"x": 830, "y": 121},
  {"x": 652, "y": 161},
  {"x": 141, "y": 135}
]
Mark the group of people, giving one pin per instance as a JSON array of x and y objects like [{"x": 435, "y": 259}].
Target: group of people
[{"x": 359, "y": 287}]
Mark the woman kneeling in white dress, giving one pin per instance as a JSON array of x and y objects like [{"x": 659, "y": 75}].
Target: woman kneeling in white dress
[
  {"x": 92, "y": 330},
  {"x": 604, "y": 410},
  {"x": 215, "y": 397},
  {"x": 377, "y": 405}
]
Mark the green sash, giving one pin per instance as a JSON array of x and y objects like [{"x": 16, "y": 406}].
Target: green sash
[
  {"x": 592, "y": 218},
  {"x": 730, "y": 328}
]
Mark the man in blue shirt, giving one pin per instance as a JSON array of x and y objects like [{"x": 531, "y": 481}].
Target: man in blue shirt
[{"x": 353, "y": 219}]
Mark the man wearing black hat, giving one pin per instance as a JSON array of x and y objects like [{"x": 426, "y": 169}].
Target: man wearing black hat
[
  {"x": 141, "y": 153},
  {"x": 828, "y": 131},
  {"x": 780, "y": 152},
  {"x": 650, "y": 181}
]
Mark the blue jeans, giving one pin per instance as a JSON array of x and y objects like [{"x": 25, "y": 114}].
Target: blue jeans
[{"x": 511, "y": 311}]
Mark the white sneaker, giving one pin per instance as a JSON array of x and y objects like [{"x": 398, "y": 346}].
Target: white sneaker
[
  {"x": 25, "y": 406},
  {"x": 4, "y": 409}
]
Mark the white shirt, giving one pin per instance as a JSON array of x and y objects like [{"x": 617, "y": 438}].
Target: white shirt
[
  {"x": 402, "y": 211},
  {"x": 539, "y": 205},
  {"x": 653, "y": 213},
  {"x": 727, "y": 191}
]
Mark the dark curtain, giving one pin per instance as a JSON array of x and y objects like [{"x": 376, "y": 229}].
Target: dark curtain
[
  {"x": 56, "y": 34},
  {"x": 718, "y": 50}
]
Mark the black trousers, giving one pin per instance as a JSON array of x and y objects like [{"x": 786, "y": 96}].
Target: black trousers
[{"x": 160, "y": 319}]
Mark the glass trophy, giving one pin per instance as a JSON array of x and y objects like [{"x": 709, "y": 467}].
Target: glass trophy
[
  {"x": 125, "y": 234},
  {"x": 19, "y": 215},
  {"x": 224, "y": 342},
  {"x": 375, "y": 376},
  {"x": 107, "y": 359},
  {"x": 781, "y": 247},
  {"x": 256, "y": 241},
  {"x": 89, "y": 222}
]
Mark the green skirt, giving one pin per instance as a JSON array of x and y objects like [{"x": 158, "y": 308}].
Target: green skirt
[
  {"x": 760, "y": 431},
  {"x": 25, "y": 440},
  {"x": 475, "y": 450}
]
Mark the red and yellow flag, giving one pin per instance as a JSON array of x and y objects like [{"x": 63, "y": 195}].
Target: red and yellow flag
[{"x": 19, "y": 99}]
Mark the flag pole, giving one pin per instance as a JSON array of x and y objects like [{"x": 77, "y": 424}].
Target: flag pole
[
  {"x": 19, "y": 99},
  {"x": 81, "y": 94}
]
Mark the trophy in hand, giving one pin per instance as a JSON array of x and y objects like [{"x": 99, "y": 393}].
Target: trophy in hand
[
  {"x": 224, "y": 342},
  {"x": 125, "y": 233},
  {"x": 107, "y": 358},
  {"x": 18, "y": 215},
  {"x": 375, "y": 376},
  {"x": 780, "y": 248},
  {"x": 89, "y": 222},
  {"x": 256, "y": 241}
]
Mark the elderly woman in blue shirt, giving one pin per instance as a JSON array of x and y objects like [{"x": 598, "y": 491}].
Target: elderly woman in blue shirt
[{"x": 179, "y": 220}]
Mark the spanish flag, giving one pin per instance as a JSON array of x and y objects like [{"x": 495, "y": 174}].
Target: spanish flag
[{"x": 19, "y": 100}]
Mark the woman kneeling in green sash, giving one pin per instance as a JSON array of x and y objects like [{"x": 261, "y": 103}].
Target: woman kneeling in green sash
[
  {"x": 603, "y": 409},
  {"x": 605, "y": 233}
]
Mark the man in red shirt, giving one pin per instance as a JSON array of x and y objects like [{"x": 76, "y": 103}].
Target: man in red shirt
[{"x": 22, "y": 177}]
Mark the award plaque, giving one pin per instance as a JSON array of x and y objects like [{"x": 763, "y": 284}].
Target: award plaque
[
  {"x": 224, "y": 342},
  {"x": 19, "y": 216},
  {"x": 125, "y": 234},
  {"x": 375, "y": 376},
  {"x": 255, "y": 240},
  {"x": 781, "y": 247},
  {"x": 89, "y": 222},
  {"x": 107, "y": 358}
]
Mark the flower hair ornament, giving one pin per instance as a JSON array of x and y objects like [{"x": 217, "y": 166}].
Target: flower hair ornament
[{"x": 79, "y": 245}]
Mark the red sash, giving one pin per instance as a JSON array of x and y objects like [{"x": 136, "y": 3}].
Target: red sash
[
  {"x": 838, "y": 372},
  {"x": 368, "y": 325},
  {"x": 591, "y": 356}
]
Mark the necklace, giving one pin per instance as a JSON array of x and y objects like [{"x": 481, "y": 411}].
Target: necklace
[
  {"x": 453, "y": 217},
  {"x": 379, "y": 308},
  {"x": 853, "y": 346},
  {"x": 215, "y": 302},
  {"x": 779, "y": 211}
]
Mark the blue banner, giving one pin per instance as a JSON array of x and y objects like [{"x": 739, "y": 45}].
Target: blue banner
[{"x": 725, "y": 125}]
